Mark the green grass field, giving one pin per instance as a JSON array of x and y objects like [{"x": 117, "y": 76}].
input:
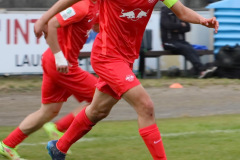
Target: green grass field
[
  {"x": 199, "y": 138},
  {"x": 33, "y": 83}
]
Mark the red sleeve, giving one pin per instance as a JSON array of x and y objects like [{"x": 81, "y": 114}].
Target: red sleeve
[{"x": 73, "y": 14}]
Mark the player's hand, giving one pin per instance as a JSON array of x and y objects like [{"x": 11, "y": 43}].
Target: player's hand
[
  {"x": 210, "y": 23},
  {"x": 45, "y": 31},
  {"x": 61, "y": 62},
  {"x": 62, "y": 68}
]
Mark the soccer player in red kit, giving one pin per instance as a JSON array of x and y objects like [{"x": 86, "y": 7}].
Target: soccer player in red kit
[
  {"x": 68, "y": 30},
  {"x": 122, "y": 24}
]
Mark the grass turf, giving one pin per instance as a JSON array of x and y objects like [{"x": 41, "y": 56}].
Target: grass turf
[
  {"x": 33, "y": 82},
  {"x": 192, "y": 138}
]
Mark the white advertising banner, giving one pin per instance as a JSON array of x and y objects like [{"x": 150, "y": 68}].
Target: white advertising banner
[{"x": 20, "y": 50}]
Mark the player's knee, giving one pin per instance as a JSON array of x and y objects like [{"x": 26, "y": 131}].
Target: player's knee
[
  {"x": 148, "y": 108},
  {"x": 49, "y": 111},
  {"x": 50, "y": 114}
]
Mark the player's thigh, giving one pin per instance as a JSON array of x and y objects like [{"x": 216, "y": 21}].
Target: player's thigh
[
  {"x": 51, "y": 108},
  {"x": 83, "y": 86},
  {"x": 117, "y": 74},
  {"x": 52, "y": 92}
]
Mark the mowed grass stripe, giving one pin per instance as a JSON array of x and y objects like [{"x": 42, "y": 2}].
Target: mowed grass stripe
[
  {"x": 133, "y": 137},
  {"x": 186, "y": 138}
]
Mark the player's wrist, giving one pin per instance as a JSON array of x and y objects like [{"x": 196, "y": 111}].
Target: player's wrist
[
  {"x": 202, "y": 20},
  {"x": 60, "y": 59}
]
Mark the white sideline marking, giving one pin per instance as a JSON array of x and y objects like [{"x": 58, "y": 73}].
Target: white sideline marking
[
  {"x": 163, "y": 135},
  {"x": 45, "y": 143},
  {"x": 201, "y": 132}
]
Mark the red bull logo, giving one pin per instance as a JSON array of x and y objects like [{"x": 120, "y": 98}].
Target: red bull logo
[
  {"x": 129, "y": 78},
  {"x": 134, "y": 15}
]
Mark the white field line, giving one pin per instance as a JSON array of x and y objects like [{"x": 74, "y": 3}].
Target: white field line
[
  {"x": 45, "y": 143},
  {"x": 201, "y": 132},
  {"x": 133, "y": 137}
]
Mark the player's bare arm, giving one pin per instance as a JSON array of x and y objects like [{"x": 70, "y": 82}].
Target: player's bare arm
[
  {"x": 188, "y": 15},
  {"x": 56, "y": 8},
  {"x": 51, "y": 37},
  {"x": 52, "y": 41}
]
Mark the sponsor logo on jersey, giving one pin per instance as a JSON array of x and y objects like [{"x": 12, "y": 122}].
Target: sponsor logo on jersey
[
  {"x": 67, "y": 13},
  {"x": 129, "y": 78},
  {"x": 134, "y": 15}
]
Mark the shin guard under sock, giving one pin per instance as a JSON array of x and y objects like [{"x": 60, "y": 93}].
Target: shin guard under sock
[
  {"x": 14, "y": 138},
  {"x": 153, "y": 141},
  {"x": 80, "y": 126}
]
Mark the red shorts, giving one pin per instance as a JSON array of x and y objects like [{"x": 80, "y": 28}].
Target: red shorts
[
  {"x": 58, "y": 87},
  {"x": 115, "y": 75}
]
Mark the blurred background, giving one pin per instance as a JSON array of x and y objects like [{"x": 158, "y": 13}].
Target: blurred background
[
  {"x": 43, "y": 4},
  {"x": 204, "y": 113},
  {"x": 22, "y": 53}
]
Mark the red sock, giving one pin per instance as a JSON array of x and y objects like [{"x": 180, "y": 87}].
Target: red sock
[
  {"x": 153, "y": 141},
  {"x": 63, "y": 123},
  {"x": 14, "y": 138},
  {"x": 80, "y": 126}
]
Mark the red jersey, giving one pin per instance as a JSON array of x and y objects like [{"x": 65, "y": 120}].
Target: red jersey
[
  {"x": 76, "y": 23},
  {"x": 122, "y": 24}
]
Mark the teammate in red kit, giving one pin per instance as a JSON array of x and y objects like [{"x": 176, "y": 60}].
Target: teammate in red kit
[
  {"x": 66, "y": 34},
  {"x": 122, "y": 24}
]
